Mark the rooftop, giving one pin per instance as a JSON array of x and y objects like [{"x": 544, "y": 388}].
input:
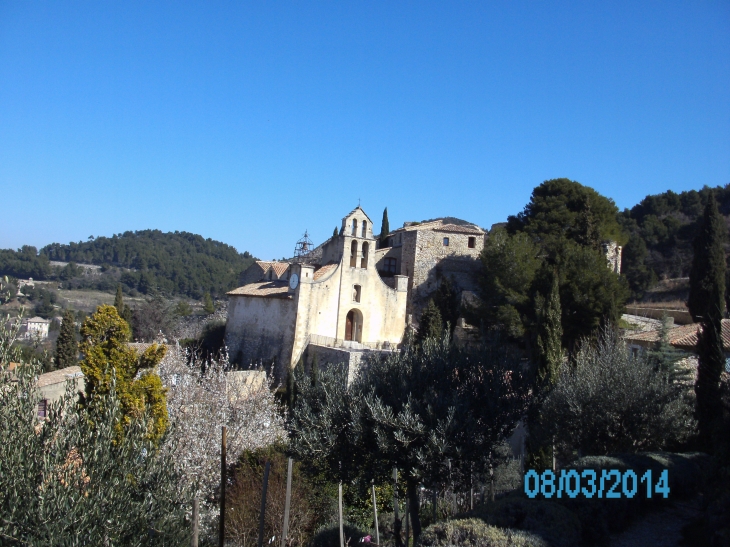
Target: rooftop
[
  {"x": 683, "y": 337},
  {"x": 58, "y": 376},
  {"x": 266, "y": 289}
]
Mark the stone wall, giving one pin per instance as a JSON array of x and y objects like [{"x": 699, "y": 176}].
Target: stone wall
[
  {"x": 426, "y": 259},
  {"x": 260, "y": 331},
  {"x": 612, "y": 250}
]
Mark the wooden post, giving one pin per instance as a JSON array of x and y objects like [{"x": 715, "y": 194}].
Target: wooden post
[
  {"x": 553, "y": 453},
  {"x": 342, "y": 532},
  {"x": 434, "y": 503},
  {"x": 287, "y": 503},
  {"x": 408, "y": 516},
  {"x": 262, "y": 516},
  {"x": 375, "y": 511},
  {"x": 396, "y": 509},
  {"x": 196, "y": 518},
  {"x": 222, "y": 519}
]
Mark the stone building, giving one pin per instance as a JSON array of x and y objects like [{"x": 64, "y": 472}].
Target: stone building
[
  {"x": 612, "y": 250},
  {"x": 427, "y": 252},
  {"x": 330, "y": 302}
]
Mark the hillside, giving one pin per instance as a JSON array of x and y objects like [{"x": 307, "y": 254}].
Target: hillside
[
  {"x": 173, "y": 263},
  {"x": 662, "y": 228}
]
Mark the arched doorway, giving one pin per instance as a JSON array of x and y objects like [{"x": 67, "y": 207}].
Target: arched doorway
[{"x": 353, "y": 326}]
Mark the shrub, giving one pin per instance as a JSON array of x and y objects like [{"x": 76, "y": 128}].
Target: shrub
[
  {"x": 610, "y": 402},
  {"x": 555, "y": 524},
  {"x": 329, "y": 535},
  {"x": 476, "y": 533}
]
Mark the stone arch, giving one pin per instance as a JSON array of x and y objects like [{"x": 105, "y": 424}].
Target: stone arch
[
  {"x": 353, "y": 254},
  {"x": 364, "y": 260},
  {"x": 354, "y": 227},
  {"x": 364, "y": 228},
  {"x": 353, "y": 325}
]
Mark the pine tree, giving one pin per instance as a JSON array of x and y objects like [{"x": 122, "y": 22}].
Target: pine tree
[
  {"x": 707, "y": 304},
  {"x": 67, "y": 348},
  {"x": 549, "y": 339},
  {"x": 108, "y": 359},
  {"x": 335, "y": 232},
  {"x": 384, "y": 229},
  {"x": 208, "y": 306},
  {"x": 430, "y": 325}
]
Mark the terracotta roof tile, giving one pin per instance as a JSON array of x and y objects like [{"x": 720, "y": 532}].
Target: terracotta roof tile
[
  {"x": 684, "y": 337},
  {"x": 325, "y": 270},
  {"x": 266, "y": 289},
  {"x": 653, "y": 335},
  {"x": 279, "y": 267}
]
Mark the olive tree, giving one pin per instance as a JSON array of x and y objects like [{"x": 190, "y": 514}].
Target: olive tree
[
  {"x": 611, "y": 401},
  {"x": 69, "y": 479}
]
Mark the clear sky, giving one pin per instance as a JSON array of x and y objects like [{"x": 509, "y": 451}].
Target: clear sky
[{"x": 249, "y": 122}]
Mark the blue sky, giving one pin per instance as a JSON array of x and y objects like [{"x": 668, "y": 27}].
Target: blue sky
[{"x": 249, "y": 122}]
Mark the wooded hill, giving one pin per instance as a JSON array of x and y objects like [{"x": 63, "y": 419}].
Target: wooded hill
[
  {"x": 173, "y": 263},
  {"x": 661, "y": 230}
]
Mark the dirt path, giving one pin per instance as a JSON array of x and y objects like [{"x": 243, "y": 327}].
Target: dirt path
[{"x": 660, "y": 529}]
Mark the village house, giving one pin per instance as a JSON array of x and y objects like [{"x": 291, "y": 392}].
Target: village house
[{"x": 34, "y": 328}]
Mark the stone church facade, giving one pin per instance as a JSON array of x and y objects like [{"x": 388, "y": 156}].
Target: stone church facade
[
  {"x": 346, "y": 297},
  {"x": 331, "y": 302}
]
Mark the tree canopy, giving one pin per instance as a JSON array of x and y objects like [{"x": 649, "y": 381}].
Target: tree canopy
[
  {"x": 149, "y": 260},
  {"x": 109, "y": 363},
  {"x": 662, "y": 229},
  {"x": 417, "y": 410},
  {"x": 564, "y": 209}
]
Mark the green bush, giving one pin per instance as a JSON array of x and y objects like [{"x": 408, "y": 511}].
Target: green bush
[
  {"x": 555, "y": 524},
  {"x": 329, "y": 535},
  {"x": 474, "y": 532}
]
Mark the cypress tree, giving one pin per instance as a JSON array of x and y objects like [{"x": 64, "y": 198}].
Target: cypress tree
[
  {"x": 119, "y": 301},
  {"x": 549, "y": 338},
  {"x": 706, "y": 303},
  {"x": 208, "y": 306},
  {"x": 384, "y": 228},
  {"x": 67, "y": 348},
  {"x": 430, "y": 325},
  {"x": 707, "y": 276},
  {"x": 335, "y": 232},
  {"x": 665, "y": 357}
]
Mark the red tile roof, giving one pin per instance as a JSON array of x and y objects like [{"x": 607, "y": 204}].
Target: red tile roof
[
  {"x": 266, "y": 289},
  {"x": 325, "y": 270},
  {"x": 279, "y": 267},
  {"x": 684, "y": 337}
]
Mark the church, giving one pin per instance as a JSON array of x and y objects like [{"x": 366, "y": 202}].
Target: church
[{"x": 331, "y": 301}]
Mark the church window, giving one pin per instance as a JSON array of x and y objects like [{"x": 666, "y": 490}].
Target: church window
[
  {"x": 356, "y": 293},
  {"x": 354, "y": 227},
  {"x": 389, "y": 265},
  {"x": 446, "y": 242},
  {"x": 472, "y": 242},
  {"x": 364, "y": 228},
  {"x": 364, "y": 260},
  {"x": 353, "y": 254}
]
